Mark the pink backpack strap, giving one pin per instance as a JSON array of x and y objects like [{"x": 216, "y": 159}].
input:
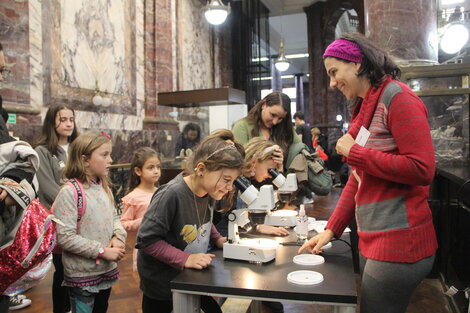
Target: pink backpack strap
[{"x": 80, "y": 198}]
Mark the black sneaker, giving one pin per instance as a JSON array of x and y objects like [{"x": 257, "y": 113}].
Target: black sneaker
[{"x": 16, "y": 303}]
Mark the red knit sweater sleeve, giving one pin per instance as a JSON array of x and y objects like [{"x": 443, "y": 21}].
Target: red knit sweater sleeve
[
  {"x": 413, "y": 163},
  {"x": 344, "y": 211}
]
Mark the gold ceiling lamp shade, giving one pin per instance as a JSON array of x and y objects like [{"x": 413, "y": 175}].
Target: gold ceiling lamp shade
[{"x": 282, "y": 63}]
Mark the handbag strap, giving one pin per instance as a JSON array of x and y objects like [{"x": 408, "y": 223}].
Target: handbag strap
[
  {"x": 80, "y": 198},
  {"x": 15, "y": 191}
]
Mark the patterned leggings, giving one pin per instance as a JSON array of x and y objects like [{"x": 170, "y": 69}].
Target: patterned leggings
[{"x": 83, "y": 301}]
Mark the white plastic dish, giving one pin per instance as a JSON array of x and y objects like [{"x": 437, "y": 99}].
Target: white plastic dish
[
  {"x": 319, "y": 226},
  {"x": 308, "y": 259},
  {"x": 305, "y": 277},
  {"x": 327, "y": 246},
  {"x": 311, "y": 223}
]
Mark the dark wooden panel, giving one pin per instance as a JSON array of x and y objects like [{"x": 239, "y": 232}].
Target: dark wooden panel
[{"x": 201, "y": 97}]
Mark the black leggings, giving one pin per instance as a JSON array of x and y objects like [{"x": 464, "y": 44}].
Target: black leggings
[
  {"x": 4, "y": 303},
  {"x": 387, "y": 287},
  {"x": 60, "y": 294},
  {"x": 149, "y": 305}
]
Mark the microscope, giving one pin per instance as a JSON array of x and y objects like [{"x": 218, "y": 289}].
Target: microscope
[
  {"x": 259, "y": 203},
  {"x": 287, "y": 186}
]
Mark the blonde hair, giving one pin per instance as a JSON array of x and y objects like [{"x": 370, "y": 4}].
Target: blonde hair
[
  {"x": 315, "y": 132},
  {"x": 84, "y": 145},
  {"x": 257, "y": 149}
]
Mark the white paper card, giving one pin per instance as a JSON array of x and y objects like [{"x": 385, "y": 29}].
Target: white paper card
[{"x": 362, "y": 137}]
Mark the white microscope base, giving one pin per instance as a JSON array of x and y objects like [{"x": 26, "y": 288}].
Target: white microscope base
[
  {"x": 243, "y": 252},
  {"x": 284, "y": 221}
]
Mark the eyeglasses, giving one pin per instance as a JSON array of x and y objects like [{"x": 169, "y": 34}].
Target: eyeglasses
[{"x": 5, "y": 72}]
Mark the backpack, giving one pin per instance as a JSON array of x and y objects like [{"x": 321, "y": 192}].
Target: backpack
[
  {"x": 30, "y": 241},
  {"x": 309, "y": 169},
  {"x": 80, "y": 200}
]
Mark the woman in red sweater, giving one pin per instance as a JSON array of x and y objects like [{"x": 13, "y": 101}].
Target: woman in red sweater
[{"x": 390, "y": 152}]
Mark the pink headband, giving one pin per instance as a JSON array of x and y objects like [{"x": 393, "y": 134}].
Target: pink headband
[{"x": 344, "y": 49}]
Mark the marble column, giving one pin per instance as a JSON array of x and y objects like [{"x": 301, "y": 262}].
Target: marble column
[
  {"x": 318, "y": 102},
  {"x": 406, "y": 29},
  {"x": 276, "y": 79},
  {"x": 299, "y": 92}
]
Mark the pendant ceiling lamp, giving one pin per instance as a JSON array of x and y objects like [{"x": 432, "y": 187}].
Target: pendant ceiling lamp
[
  {"x": 216, "y": 12},
  {"x": 281, "y": 63},
  {"x": 454, "y": 38}
]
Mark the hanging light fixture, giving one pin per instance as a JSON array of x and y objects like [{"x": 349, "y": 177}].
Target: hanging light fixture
[
  {"x": 454, "y": 38},
  {"x": 216, "y": 12},
  {"x": 281, "y": 63}
]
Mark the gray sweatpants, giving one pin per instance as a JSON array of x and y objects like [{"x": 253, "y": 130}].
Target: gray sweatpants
[{"x": 387, "y": 287}]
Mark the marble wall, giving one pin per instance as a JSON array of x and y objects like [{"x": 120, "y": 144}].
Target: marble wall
[
  {"x": 194, "y": 53},
  {"x": 92, "y": 45},
  {"x": 62, "y": 51},
  {"x": 14, "y": 32}
]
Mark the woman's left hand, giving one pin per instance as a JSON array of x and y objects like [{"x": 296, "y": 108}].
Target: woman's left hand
[
  {"x": 271, "y": 230},
  {"x": 344, "y": 145},
  {"x": 116, "y": 243},
  {"x": 278, "y": 158},
  {"x": 220, "y": 242}
]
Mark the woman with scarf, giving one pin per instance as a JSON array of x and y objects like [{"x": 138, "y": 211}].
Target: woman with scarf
[{"x": 390, "y": 152}]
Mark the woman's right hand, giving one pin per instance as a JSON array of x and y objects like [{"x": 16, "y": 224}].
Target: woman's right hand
[
  {"x": 199, "y": 261},
  {"x": 315, "y": 243},
  {"x": 278, "y": 158},
  {"x": 113, "y": 254}
]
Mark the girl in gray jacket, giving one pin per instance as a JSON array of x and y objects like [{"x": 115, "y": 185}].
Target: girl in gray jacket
[
  {"x": 58, "y": 131},
  {"x": 94, "y": 243}
]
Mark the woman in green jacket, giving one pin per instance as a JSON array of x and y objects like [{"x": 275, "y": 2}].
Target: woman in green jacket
[{"x": 271, "y": 119}]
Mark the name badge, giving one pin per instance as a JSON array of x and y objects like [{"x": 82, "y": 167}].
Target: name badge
[{"x": 362, "y": 137}]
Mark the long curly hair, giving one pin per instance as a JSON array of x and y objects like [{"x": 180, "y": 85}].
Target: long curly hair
[
  {"x": 49, "y": 137},
  {"x": 282, "y": 133}
]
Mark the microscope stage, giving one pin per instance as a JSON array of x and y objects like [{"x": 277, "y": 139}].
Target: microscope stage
[
  {"x": 285, "y": 218},
  {"x": 253, "y": 250}
]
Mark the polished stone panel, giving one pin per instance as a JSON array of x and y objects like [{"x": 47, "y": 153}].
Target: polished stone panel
[
  {"x": 195, "y": 58},
  {"x": 94, "y": 44},
  {"x": 16, "y": 43},
  {"x": 406, "y": 29},
  {"x": 92, "y": 47},
  {"x": 35, "y": 58}
]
